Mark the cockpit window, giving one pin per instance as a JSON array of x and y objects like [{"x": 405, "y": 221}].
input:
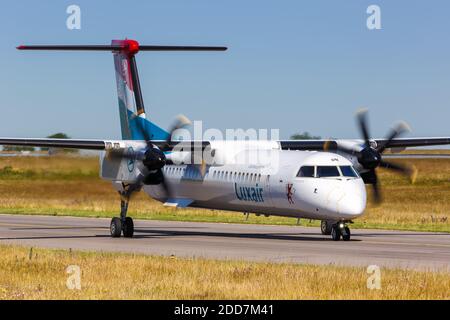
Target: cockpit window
[
  {"x": 327, "y": 171},
  {"x": 348, "y": 171},
  {"x": 306, "y": 172}
]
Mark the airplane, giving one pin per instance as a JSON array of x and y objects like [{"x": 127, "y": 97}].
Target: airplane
[{"x": 314, "y": 179}]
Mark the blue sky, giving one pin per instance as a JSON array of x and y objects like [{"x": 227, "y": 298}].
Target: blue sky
[{"x": 292, "y": 65}]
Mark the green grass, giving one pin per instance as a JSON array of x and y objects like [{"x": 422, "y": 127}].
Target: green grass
[{"x": 9, "y": 173}]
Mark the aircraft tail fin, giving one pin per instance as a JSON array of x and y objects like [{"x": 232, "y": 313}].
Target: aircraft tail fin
[{"x": 131, "y": 104}]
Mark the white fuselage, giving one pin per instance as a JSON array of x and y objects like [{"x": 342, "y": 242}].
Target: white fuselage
[{"x": 241, "y": 181}]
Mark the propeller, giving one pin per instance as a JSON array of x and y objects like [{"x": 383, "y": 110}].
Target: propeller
[
  {"x": 153, "y": 158},
  {"x": 370, "y": 157}
]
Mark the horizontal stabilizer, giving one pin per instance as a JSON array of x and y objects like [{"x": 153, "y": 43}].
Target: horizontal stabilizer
[{"x": 126, "y": 45}]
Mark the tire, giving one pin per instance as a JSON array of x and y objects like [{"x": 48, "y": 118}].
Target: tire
[
  {"x": 128, "y": 228},
  {"x": 325, "y": 227},
  {"x": 116, "y": 227},
  {"x": 335, "y": 233},
  {"x": 348, "y": 235}
]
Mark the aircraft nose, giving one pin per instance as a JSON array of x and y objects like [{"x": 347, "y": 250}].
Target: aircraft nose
[
  {"x": 353, "y": 206},
  {"x": 354, "y": 202},
  {"x": 347, "y": 199}
]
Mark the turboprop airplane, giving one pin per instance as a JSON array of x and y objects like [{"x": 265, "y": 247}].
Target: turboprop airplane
[{"x": 315, "y": 179}]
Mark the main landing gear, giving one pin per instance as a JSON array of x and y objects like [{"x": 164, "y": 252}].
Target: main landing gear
[
  {"x": 336, "y": 230},
  {"x": 123, "y": 224}
]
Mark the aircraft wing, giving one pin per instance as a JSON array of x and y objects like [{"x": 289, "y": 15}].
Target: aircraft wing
[
  {"x": 56, "y": 143},
  {"x": 415, "y": 142},
  {"x": 306, "y": 144},
  {"x": 89, "y": 144},
  {"x": 332, "y": 144}
]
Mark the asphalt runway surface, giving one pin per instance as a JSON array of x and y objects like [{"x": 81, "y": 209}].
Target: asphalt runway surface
[{"x": 405, "y": 249}]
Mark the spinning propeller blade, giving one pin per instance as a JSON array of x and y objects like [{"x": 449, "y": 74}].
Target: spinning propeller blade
[{"x": 371, "y": 158}]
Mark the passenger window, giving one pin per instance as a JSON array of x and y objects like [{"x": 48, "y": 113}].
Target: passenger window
[
  {"x": 327, "y": 171},
  {"x": 349, "y": 171},
  {"x": 306, "y": 172}
]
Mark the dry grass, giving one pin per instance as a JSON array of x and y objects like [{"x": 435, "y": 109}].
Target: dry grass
[
  {"x": 42, "y": 275},
  {"x": 71, "y": 186},
  {"x": 424, "y": 205}
]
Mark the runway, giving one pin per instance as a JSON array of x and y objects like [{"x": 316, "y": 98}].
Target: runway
[{"x": 406, "y": 249}]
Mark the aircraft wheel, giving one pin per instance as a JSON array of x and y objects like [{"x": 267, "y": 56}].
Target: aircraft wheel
[
  {"x": 335, "y": 233},
  {"x": 116, "y": 227},
  {"x": 325, "y": 227},
  {"x": 346, "y": 237},
  {"x": 128, "y": 228}
]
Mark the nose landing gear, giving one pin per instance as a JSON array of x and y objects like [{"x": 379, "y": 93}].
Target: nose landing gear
[
  {"x": 325, "y": 227},
  {"x": 339, "y": 230}
]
